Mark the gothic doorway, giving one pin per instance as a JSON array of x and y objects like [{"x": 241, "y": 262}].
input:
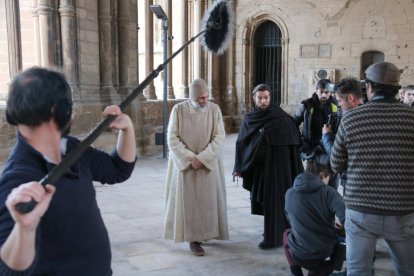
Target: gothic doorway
[{"x": 267, "y": 56}]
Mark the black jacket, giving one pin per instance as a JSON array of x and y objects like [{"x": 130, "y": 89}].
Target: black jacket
[
  {"x": 313, "y": 116},
  {"x": 71, "y": 238}
]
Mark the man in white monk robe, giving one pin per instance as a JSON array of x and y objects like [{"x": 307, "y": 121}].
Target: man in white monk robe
[{"x": 196, "y": 209}]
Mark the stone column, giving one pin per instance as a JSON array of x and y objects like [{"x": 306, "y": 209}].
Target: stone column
[
  {"x": 47, "y": 49},
  {"x": 170, "y": 89},
  {"x": 229, "y": 98},
  {"x": 69, "y": 40},
  {"x": 36, "y": 30},
  {"x": 13, "y": 37},
  {"x": 107, "y": 52},
  {"x": 244, "y": 95},
  {"x": 184, "y": 53},
  {"x": 149, "y": 91},
  {"x": 213, "y": 76},
  {"x": 196, "y": 44},
  {"x": 128, "y": 44},
  {"x": 210, "y": 67},
  {"x": 203, "y": 54}
]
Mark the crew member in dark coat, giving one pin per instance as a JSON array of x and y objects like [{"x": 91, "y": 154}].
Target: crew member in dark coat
[
  {"x": 267, "y": 158},
  {"x": 314, "y": 113},
  {"x": 311, "y": 206},
  {"x": 65, "y": 233}
]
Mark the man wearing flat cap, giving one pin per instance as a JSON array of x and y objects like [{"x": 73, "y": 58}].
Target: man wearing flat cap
[
  {"x": 375, "y": 145},
  {"x": 196, "y": 194}
]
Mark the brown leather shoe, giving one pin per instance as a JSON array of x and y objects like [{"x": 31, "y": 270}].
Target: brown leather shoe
[{"x": 197, "y": 249}]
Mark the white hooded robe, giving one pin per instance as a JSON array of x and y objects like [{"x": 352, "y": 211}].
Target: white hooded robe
[{"x": 196, "y": 207}]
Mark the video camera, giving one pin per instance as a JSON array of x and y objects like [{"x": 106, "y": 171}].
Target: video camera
[{"x": 332, "y": 119}]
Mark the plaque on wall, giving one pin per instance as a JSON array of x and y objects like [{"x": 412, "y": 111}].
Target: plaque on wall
[
  {"x": 324, "y": 50},
  {"x": 308, "y": 51},
  {"x": 318, "y": 74},
  {"x": 322, "y": 73}
]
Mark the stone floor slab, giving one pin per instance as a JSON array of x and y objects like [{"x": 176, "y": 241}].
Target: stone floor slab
[{"x": 134, "y": 212}]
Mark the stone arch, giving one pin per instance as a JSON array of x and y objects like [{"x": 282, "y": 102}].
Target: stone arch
[{"x": 250, "y": 26}]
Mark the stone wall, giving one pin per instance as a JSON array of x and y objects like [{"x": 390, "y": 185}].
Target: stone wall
[
  {"x": 325, "y": 35},
  {"x": 96, "y": 80},
  {"x": 318, "y": 34}
]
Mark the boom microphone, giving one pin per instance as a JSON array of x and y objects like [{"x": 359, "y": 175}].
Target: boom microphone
[
  {"x": 218, "y": 32},
  {"x": 218, "y": 23}
]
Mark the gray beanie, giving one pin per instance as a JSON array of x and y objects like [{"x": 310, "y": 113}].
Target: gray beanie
[{"x": 197, "y": 87}]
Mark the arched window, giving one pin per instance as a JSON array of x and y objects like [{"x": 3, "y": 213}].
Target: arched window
[{"x": 268, "y": 58}]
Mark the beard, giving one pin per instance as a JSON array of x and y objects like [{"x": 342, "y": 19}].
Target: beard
[
  {"x": 323, "y": 100},
  {"x": 198, "y": 107},
  {"x": 263, "y": 106}
]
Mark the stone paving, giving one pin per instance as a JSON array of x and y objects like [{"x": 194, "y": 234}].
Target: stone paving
[{"x": 134, "y": 211}]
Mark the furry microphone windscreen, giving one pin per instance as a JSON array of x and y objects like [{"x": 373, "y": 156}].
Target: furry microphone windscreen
[{"x": 218, "y": 23}]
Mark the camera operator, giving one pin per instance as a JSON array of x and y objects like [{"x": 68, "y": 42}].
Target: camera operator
[{"x": 348, "y": 93}]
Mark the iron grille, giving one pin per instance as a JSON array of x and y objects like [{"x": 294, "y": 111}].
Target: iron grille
[{"x": 268, "y": 58}]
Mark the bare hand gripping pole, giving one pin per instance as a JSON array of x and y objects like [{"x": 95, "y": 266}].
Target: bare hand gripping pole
[{"x": 218, "y": 33}]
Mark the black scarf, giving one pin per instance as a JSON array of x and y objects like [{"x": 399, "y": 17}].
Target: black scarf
[{"x": 319, "y": 118}]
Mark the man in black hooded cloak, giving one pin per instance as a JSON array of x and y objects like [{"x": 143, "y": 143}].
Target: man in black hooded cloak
[{"x": 267, "y": 158}]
